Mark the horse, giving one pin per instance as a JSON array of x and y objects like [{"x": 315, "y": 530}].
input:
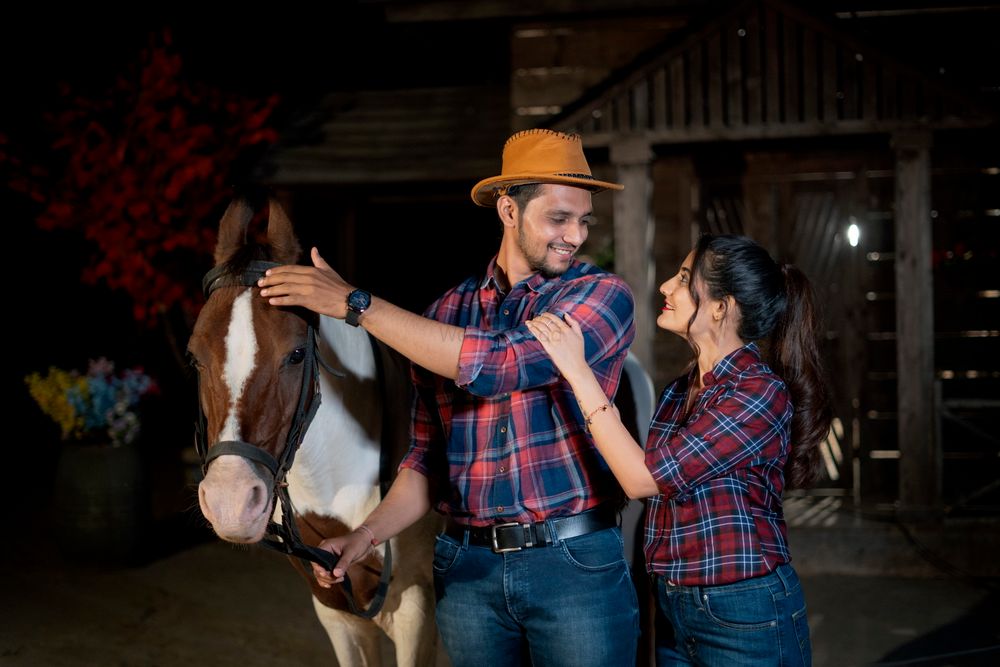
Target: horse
[{"x": 253, "y": 362}]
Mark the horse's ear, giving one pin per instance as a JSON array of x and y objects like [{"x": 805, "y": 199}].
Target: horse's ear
[
  {"x": 285, "y": 246},
  {"x": 233, "y": 230}
]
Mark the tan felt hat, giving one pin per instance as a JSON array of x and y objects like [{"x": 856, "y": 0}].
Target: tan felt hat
[{"x": 540, "y": 156}]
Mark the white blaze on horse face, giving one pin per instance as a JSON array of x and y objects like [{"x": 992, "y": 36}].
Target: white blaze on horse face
[{"x": 241, "y": 354}]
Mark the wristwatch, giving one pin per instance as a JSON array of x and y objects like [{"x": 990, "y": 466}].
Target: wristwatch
[{"x": 358, "y": 302}]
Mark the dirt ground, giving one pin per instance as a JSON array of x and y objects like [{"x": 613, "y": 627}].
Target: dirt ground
[
  {"x": 202, "y": 602},
  {"x": 212, "y": 604}
]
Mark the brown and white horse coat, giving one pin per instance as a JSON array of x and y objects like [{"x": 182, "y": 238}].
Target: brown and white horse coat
[{"x": 249, "y": 357}]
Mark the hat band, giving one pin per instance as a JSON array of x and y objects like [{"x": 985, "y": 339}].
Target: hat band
[{"x": 501, "y": 190}]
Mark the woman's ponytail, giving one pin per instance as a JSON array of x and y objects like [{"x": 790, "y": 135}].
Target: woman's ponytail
[
  {"x": 794, "y": 356},
  {"x": 776, "y": 308}
]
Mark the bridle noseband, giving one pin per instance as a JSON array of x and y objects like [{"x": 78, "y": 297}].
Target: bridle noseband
[{"x": 284, "y": 537}]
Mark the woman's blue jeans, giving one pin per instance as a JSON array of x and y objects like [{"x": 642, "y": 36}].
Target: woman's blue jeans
[
  {"x": 571, "y": 604},
  {"x": 759, "y": 621}
]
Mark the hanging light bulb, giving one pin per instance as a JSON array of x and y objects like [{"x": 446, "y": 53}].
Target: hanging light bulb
[{"x": 853, "y": 233}]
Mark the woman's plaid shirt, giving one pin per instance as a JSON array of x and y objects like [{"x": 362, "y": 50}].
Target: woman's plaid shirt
[{"x": 718, "y": 518}]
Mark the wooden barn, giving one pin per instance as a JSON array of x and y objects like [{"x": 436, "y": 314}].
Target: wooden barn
[{"x": 853, "y": 141}]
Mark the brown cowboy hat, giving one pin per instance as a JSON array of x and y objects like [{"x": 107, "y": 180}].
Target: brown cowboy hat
[{"x": 540, "y": 156}]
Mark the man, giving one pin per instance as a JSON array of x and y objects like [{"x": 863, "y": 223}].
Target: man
[{"x": 531, "y": 564}]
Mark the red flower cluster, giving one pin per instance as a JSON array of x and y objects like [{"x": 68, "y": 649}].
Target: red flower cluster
[{"x": 147, "y": 169}]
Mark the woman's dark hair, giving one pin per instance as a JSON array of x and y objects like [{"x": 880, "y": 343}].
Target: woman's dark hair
[{"x": 776, "y": 308}]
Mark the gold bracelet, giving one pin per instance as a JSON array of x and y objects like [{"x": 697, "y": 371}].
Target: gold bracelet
[{"x": 590, "y": 418}]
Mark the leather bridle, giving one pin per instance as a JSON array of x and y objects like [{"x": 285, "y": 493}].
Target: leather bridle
[{"x": 284, "y": 537}]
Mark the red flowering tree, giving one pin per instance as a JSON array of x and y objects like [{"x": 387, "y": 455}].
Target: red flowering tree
[{"x": 143, "y": 173}]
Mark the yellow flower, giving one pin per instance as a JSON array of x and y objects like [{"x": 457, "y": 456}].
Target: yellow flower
[
  {"x": 97, "y": 406},
  {"x": 50, "y": 392}
]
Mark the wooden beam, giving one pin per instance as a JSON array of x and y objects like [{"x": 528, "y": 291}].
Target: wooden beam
[
  {"x": 696, "y": 71},
  {"x": 634, "y": 227},
  {"x": 605, "y": 137},
  {"x": 679, "y": 95},
  {"x": 772, "y": 68},
  {"x": 661, "y": 92},
  {"x": 676, "y": 211},
  {"x": 716, "y": 83},
  {"x": 752, "y": 69},
  {"x": 920, "y": 454},
  {"x": 793, "y": 66},
  {"x": 810, "y": 77},
  {"x": 733, "y": 35}
]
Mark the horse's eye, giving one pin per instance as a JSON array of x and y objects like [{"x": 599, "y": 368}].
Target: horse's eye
[{"x": 297, "y": 355}]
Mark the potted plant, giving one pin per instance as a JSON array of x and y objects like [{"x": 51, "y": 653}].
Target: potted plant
[{"x": 100, "y": 507}]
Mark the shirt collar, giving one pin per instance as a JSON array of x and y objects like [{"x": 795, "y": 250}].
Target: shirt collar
[
  {"x": 735, "y": 362},
  {"x": 536, "y": 282}
]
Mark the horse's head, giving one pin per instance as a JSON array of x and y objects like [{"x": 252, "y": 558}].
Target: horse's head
[{"x": 249, "y": 357}]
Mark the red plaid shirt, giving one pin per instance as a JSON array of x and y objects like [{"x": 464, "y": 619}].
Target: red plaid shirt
[
  {"x": 718, "y": 518},
  {"x": 506, "y": 441}
]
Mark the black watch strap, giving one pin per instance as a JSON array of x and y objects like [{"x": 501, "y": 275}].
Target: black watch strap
[{"x": 358, "y": 302}]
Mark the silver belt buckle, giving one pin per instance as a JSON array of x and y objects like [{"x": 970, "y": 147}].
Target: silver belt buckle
[{"x": 496, "y": 547}]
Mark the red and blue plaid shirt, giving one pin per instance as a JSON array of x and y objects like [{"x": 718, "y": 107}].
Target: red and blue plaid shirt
[
  {"x": 506, "y": 441},
  {"x": 718, "y": 518}
]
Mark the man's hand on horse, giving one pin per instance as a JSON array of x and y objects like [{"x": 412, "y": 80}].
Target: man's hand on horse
[
  {"x": 318, "y": 287},
  {"x": 351, "y": 548}
]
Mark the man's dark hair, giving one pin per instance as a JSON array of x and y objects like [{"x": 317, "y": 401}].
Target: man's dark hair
[{"x": 524, "y": 193}]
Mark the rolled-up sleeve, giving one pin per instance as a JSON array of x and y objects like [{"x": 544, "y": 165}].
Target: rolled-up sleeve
[
  {"x": 492, "y": 363},
  {"x": 426, "y": 435}
]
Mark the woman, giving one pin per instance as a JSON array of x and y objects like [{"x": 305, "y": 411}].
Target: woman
[{"x": 723, "y": 439}]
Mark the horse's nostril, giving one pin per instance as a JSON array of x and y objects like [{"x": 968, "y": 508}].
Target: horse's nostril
[{"x": 258, "y": 498}]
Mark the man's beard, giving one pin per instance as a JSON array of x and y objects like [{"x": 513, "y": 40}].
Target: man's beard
[{"x": 537, "y": 260}]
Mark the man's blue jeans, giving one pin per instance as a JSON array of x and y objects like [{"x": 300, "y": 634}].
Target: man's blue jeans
[
  {"x": 571, "y": 604},
  {"x": 759, "y": 621}
]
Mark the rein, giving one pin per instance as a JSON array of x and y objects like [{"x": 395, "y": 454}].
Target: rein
[{"x": 284, "y": 537}]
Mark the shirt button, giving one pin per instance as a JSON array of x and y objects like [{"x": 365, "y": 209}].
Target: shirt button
[
  {"x": 502, "y": 469},
  {"x": 500, "y": 508},
  {"x": 503, "y": 429},
  {"x": 506, "y": 311}
]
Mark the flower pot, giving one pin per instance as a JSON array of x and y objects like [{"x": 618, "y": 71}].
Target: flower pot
[{"x": 100, "y": 508}]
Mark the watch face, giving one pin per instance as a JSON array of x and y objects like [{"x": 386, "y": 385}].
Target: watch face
[{"x": 359, "y": 300}]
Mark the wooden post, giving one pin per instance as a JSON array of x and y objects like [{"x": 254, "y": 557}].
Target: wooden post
[
  {"x": 633, "y": 159},
  {"x": 920, "y": 453},
  {"x": 676, "y": 203}
]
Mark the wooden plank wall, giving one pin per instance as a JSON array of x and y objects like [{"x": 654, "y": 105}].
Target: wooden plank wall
[{"x": 763, "y": 67}]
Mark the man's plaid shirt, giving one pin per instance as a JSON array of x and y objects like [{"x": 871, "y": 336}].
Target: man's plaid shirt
[{"x": 506, "y": 441}]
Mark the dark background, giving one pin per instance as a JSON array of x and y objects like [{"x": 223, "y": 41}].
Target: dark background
[{"x": 55, "y": 320}]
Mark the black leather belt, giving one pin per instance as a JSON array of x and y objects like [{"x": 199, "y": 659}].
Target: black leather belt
[{"x": 504, "y": 537}]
